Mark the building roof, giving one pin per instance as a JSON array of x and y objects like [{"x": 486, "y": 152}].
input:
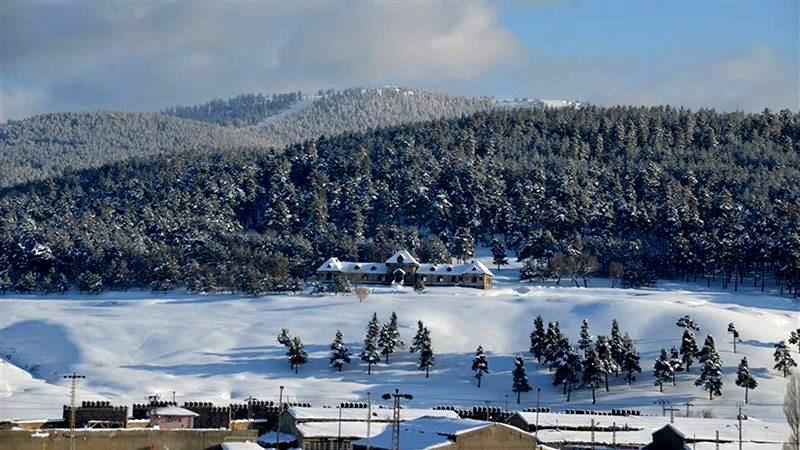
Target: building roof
[
  {"x": 347, "y": 430},
  {"x": 402, "y": 257},
  {"x": 331, "y": 265},
  {"x": 173, "y": 411},
  {"x": 427, "y": 432},
  {"x": 240, "y": 446},
  {"x": 360, "y": 414}
]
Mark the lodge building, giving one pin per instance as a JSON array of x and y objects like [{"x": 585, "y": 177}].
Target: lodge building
[{"x": 403, "y": 269}]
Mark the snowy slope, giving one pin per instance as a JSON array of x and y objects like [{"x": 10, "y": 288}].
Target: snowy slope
[{"x": 220, "y": 348}]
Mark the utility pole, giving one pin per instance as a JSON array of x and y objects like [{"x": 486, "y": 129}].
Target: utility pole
[
  {"x": 538, "y": 402},
  {"x": 592, "y": 433},
  {"x": 663, "y": 404},
  {"x": 716, "y": 441},
  {"x": 739, "y": 416},
  {"x": 397, "y": 395},
  {"x": 73, "y": 377},
  {"x": 280, "y": 419},
  {"x": 487, "y": 409},
  {"x": 672, "y": 414},
  {"x": 369, "y": 420},
  {"x": 687, "y": 405},
  {"x": 614, "y": 435},
  {"x": 506, "y": 404},
  {"x": 173, "y": 398},
  {"x": 339, "y": 433}
]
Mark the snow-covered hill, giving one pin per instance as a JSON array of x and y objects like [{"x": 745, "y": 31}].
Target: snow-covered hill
[{"x": 220, "y": 347}]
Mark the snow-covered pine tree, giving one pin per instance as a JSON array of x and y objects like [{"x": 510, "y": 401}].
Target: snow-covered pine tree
[
  {"x": 585, "y": 341},
  {"x": 675, "y": 362},
  {"x": 416, "y": 343},
  {"x": 498, "y": 253},
  {"x": 745, "y": 379},
  {"x": 734, "y": 334},
  {"x": 340, "y": 354},
  {"x": 783, "y": 359},
  {"x": 538, "y": 339},
  {"x": 568, "y": 368},
  {"x": 521, "y": 383},
  {"x": 688, "y": 323},
  {"x": 480, "y": 365},
  {"x": 296, "y": 353},
  {"x": 603, "y": 348},
  {"x": 552, "y": 341},
  {"x": 284, "y": 338},
  {"x": 617, "y": 347},
  {"x": 662, "y": 370},
  {"x": 389, "y": 338},
  {"x": 711, "y": 376},
  {"x": 369, "y": 351},
  {"x": 593, "y": 372},
  {"x": 689, "y": 350},
  {"x": 426, "y": 356},
  {"x": 794, "y": 338},
  {"x": 630, "y": 363}
]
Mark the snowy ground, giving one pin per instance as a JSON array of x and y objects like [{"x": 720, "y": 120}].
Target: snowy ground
[{"x": 220, "y": 348}]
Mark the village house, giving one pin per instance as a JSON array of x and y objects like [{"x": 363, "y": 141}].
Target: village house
[
  {"x": 172, "y": 418},
  {"x": 403, "y": 269}
]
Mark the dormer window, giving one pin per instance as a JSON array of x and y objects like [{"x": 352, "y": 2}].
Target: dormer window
[
  {"x": 373, "y": 268},
  {"x": 356, "y": 267},
  {"x": 400, "y": 259},
  {"x": 449, "y": 269},
  {"x": 433, "y": 269}
]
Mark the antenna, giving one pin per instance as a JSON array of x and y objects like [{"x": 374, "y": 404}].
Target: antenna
[{"x": 73, "y": 377}]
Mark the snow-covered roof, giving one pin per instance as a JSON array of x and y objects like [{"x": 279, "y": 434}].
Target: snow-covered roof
[
  {"x": 173, "y": 411},
  {"x": 348, "y": 430},
  {"x": 475, "y": 266},
  {"x": 331, "y": 265},
  {"x": 402, "y": 257},
  {"x": 360, "y": 414},
  {"x": 240, "y": 446},
  {"x": 427, "y": 432}
]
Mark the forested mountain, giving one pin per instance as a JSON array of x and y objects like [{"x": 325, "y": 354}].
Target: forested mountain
[
  {"x": 645, "y": 191},
  {"x": 52, "y": 144}
]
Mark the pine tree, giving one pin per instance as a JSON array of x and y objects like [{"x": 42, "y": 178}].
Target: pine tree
[
  {"x": 734, "y": 334},
  {"x": 585, "y": 341},
  {"x": 419, "y": 338},
  {"x": 675, "y": 362},
  {"x": 593, "y": 372},
  {"x": 603, "y": 348},
  {"x": 552, "y": 341},
  {"x": 296, "y": 353},
  {"x": 711, "y": 376},
  {"x": 783, "y": 359},
  {"x": 688, "y": 323},
  {"x": 426, "y": 356},
  {"x": 568, "y": 368},
  {"x": 745, "y": 379},
  {"x": 284, "y": 338},
  {"x": 689, "y": 350},
  {"x": 389, "y": 339},
  {"x": 340, "y": 354},
  {"x": 480, "y": 365},
  {"x": 498, "y": 253},
  {"x": 369, "y": 351},
  {"x": 794, "y": 338},
  {"x": 520, "y": 378},
  {"x": 538, "y": 339},
  {"x": 662, "y": 370},
  {"x": 631, "y": 360},
  {"x": 617, "y": 347}
]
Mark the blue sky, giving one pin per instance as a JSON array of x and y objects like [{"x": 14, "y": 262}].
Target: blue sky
[{"x": 79, "y": 55}]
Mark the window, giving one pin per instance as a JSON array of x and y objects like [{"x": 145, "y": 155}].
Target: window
[
  {"x": 373, "y": 268},
  {"x": 380, "y": 277},
  {"x": 400, "y": 259},
  {"x": 474, "y": 279},
  {"x": 449, "y": 269},
  {"x": 327, "y": 276},
  {"x": 356, "y": 267},
  {"x": 433, "y": 269},
  {"x": 440, "y": 279}
]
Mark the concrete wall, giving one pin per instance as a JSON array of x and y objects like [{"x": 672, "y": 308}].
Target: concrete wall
[
  {"x": 496, "y": 436},
  {"x": 131, "y": 439}
]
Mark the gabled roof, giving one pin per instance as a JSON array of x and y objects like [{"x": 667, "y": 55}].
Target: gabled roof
[
  {"x": 405, "y": 258},
  {"x": 331, "y": 265},
  {"x": 427, "y": 432},
  {"x": 475, "y": 266}
]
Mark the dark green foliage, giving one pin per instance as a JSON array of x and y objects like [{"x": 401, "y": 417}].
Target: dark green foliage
[
  {"x": 745, "y": 379},
  {"x": 296, "y": 353},
  {"x": 369, "y": 351},
  {"x": 340, "y": 354},
  {"x": 239, "y": 111},
  {"x": 689, "y": 349},
  {"x": 784, "y": 362},
  {"x": 593, "y": 372},
  {"x": 662, "y": 370},
  {"x": 711, "y": 375},
  {"x": 569, "y": 365},
  {"x": 520, "y": 375},
  {"x": 630, "y": 362},
  {"x": 656, "y": 195},
  {"x": 480, "y": 365},
  {"x": 538, "y": 339}
]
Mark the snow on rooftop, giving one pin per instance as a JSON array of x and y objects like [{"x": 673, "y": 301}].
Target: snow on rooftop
[
  {"x": 240, "y": 446},
  {"x": 173, "y": 411},
  {"x": 360, "y": 414},
  {"x": 402, "y": 257},
  {"x": 427, "y": 432},
  {"x": 350, "y": 430}
]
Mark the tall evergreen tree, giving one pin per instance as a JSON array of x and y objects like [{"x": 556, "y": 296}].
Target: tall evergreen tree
[
  {"x": 711, "y": 375},
  {"x": 689, "y": 350},
  {"x": 631, "y": 360},
  {"x": 617, "y": 347},
  {"x": 284, "y": 338},
  {"x": 538, "y": 339},
  {"x": 603, "y": 348},
  {"x": 688, "y": 323},
  {"x": 426, "y": 356},
  {"x": 662, "y": 370},
  {"x": 568, "y": 368},
  {"x": 593, "y": 372},
  {"x": 734, "y": 335},
  {"x": 369, "y": 351},
  {"x": 745, "y": 379},
  {"x": 552, "y": 339},
  {"x": 521, "y": 383},
  {"x": 498, "y": 253},
  {"x": 480, "y": 365},
  {"x": 297, "y": 354},
  {"x": 783, "y": 359},
  {"x": 585, "y": 341},
  {"x": 675, "y": 362},
  {"x": 389, "y": 338},
  {"x": 419, "y": 338},
  {"x": 340, "y": 354},
  {"x": 794, "y": 338}
]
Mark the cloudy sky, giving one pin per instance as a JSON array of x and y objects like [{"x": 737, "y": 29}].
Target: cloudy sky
[{"x": 145, "y": 55}]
